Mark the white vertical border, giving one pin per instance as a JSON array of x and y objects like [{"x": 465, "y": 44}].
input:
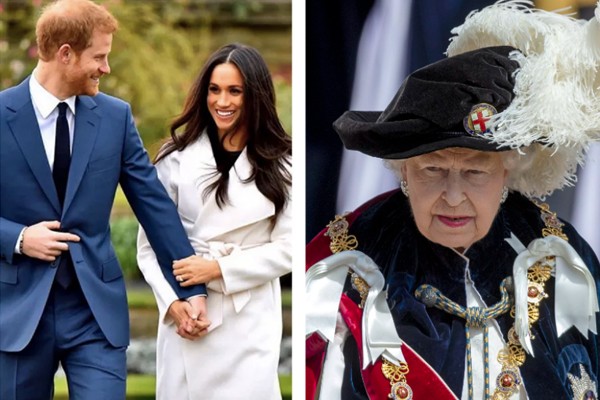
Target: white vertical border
[{"x": 299, "y": 195}]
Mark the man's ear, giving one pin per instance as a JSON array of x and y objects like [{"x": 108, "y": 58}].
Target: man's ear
[{"x": 64, "y": 53}]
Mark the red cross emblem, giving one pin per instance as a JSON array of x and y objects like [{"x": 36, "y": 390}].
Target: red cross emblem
[{"x": 475, "y": 122}]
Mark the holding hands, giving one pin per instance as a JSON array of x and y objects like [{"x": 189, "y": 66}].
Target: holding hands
[
  {"x": 190, "y": 317},
  {"x": 195, "y": 270}
]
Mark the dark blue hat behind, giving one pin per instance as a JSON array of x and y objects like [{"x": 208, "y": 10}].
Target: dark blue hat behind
[{"x": 432, "y": 108}]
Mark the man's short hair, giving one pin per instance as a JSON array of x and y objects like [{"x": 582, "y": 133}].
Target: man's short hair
[{"x": 71, "y": 22}]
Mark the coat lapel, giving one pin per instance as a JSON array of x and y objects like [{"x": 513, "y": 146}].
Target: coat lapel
[
  {"x": 249, "y": 204},
  {"x": 246, "y": 205},
  {"x": 86, "y": 130},
  {"x": 23, "y": 123}
]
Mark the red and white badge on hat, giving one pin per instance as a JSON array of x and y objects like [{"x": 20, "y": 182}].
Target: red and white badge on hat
[{"x": 476, "y": 122}]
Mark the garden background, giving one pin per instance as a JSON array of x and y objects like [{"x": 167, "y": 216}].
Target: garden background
[{"x": 158, "y": 50}]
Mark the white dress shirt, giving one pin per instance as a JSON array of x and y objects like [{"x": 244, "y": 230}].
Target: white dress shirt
[{"x": 46, "y": 112}]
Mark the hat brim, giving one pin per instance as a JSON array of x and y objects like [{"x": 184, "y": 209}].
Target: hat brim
[{"x": 361, "y": 131}]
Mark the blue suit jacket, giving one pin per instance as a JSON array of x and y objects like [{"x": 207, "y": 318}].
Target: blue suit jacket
[{"x": 107, "y": 150}]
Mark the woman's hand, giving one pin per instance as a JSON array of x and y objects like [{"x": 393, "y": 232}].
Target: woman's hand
[{"x": 195, "y": 270}]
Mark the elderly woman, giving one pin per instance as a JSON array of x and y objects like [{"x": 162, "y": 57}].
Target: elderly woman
[{"x": 459, "y": 285}]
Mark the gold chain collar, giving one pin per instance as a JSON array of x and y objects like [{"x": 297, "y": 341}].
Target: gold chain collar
[{"x": 513, "y": 355}]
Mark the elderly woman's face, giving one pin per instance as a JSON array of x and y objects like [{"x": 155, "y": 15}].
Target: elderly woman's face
[{"x": 455, "y": 194}]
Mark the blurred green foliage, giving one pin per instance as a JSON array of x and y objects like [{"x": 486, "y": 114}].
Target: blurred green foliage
[
  {"x": 159, "y": 48},
  {"x": 124, "y": 237}
]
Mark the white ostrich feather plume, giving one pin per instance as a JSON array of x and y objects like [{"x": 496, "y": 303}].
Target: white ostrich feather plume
[{"x": 557, "y": 88}]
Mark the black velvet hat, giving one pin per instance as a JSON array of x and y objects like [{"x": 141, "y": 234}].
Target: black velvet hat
[{"x": 445, "y": 104}]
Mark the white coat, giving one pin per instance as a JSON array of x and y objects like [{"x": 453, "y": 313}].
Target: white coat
[{"x": 238, "y": 359}]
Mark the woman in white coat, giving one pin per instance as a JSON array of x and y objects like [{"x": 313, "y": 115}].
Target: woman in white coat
[{"x": 227, "y": 167}]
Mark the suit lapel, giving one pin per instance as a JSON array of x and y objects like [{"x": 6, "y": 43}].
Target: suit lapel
[
  {"x": 86, "y": 130},
  {"x": 23, "y": 123}
]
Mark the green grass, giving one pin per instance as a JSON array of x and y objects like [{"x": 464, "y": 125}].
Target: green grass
[{"x": 141, "y": 387}]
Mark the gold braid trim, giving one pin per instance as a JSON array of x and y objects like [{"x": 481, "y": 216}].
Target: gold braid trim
[
  {"x": 553, "y": 224},
  {"x": 337, "y": 231}
]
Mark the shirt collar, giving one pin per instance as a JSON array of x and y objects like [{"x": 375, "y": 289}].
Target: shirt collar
[{"x": 44, "y": 101}]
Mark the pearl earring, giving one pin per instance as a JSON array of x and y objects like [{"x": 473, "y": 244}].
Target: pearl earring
[{"x": 404, "y": 187}]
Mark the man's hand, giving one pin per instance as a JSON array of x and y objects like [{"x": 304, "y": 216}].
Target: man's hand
[
  {"x": 199, "y": 314},
  {"x": 44, "y": 242},
  {"x": 195, "y": 270},
  {"x": 187, "y": 327},
  {"x": 180, "y": 311}
]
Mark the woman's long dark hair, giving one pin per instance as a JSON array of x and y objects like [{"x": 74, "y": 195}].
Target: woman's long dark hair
[{"x": 268, "y": 146}]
